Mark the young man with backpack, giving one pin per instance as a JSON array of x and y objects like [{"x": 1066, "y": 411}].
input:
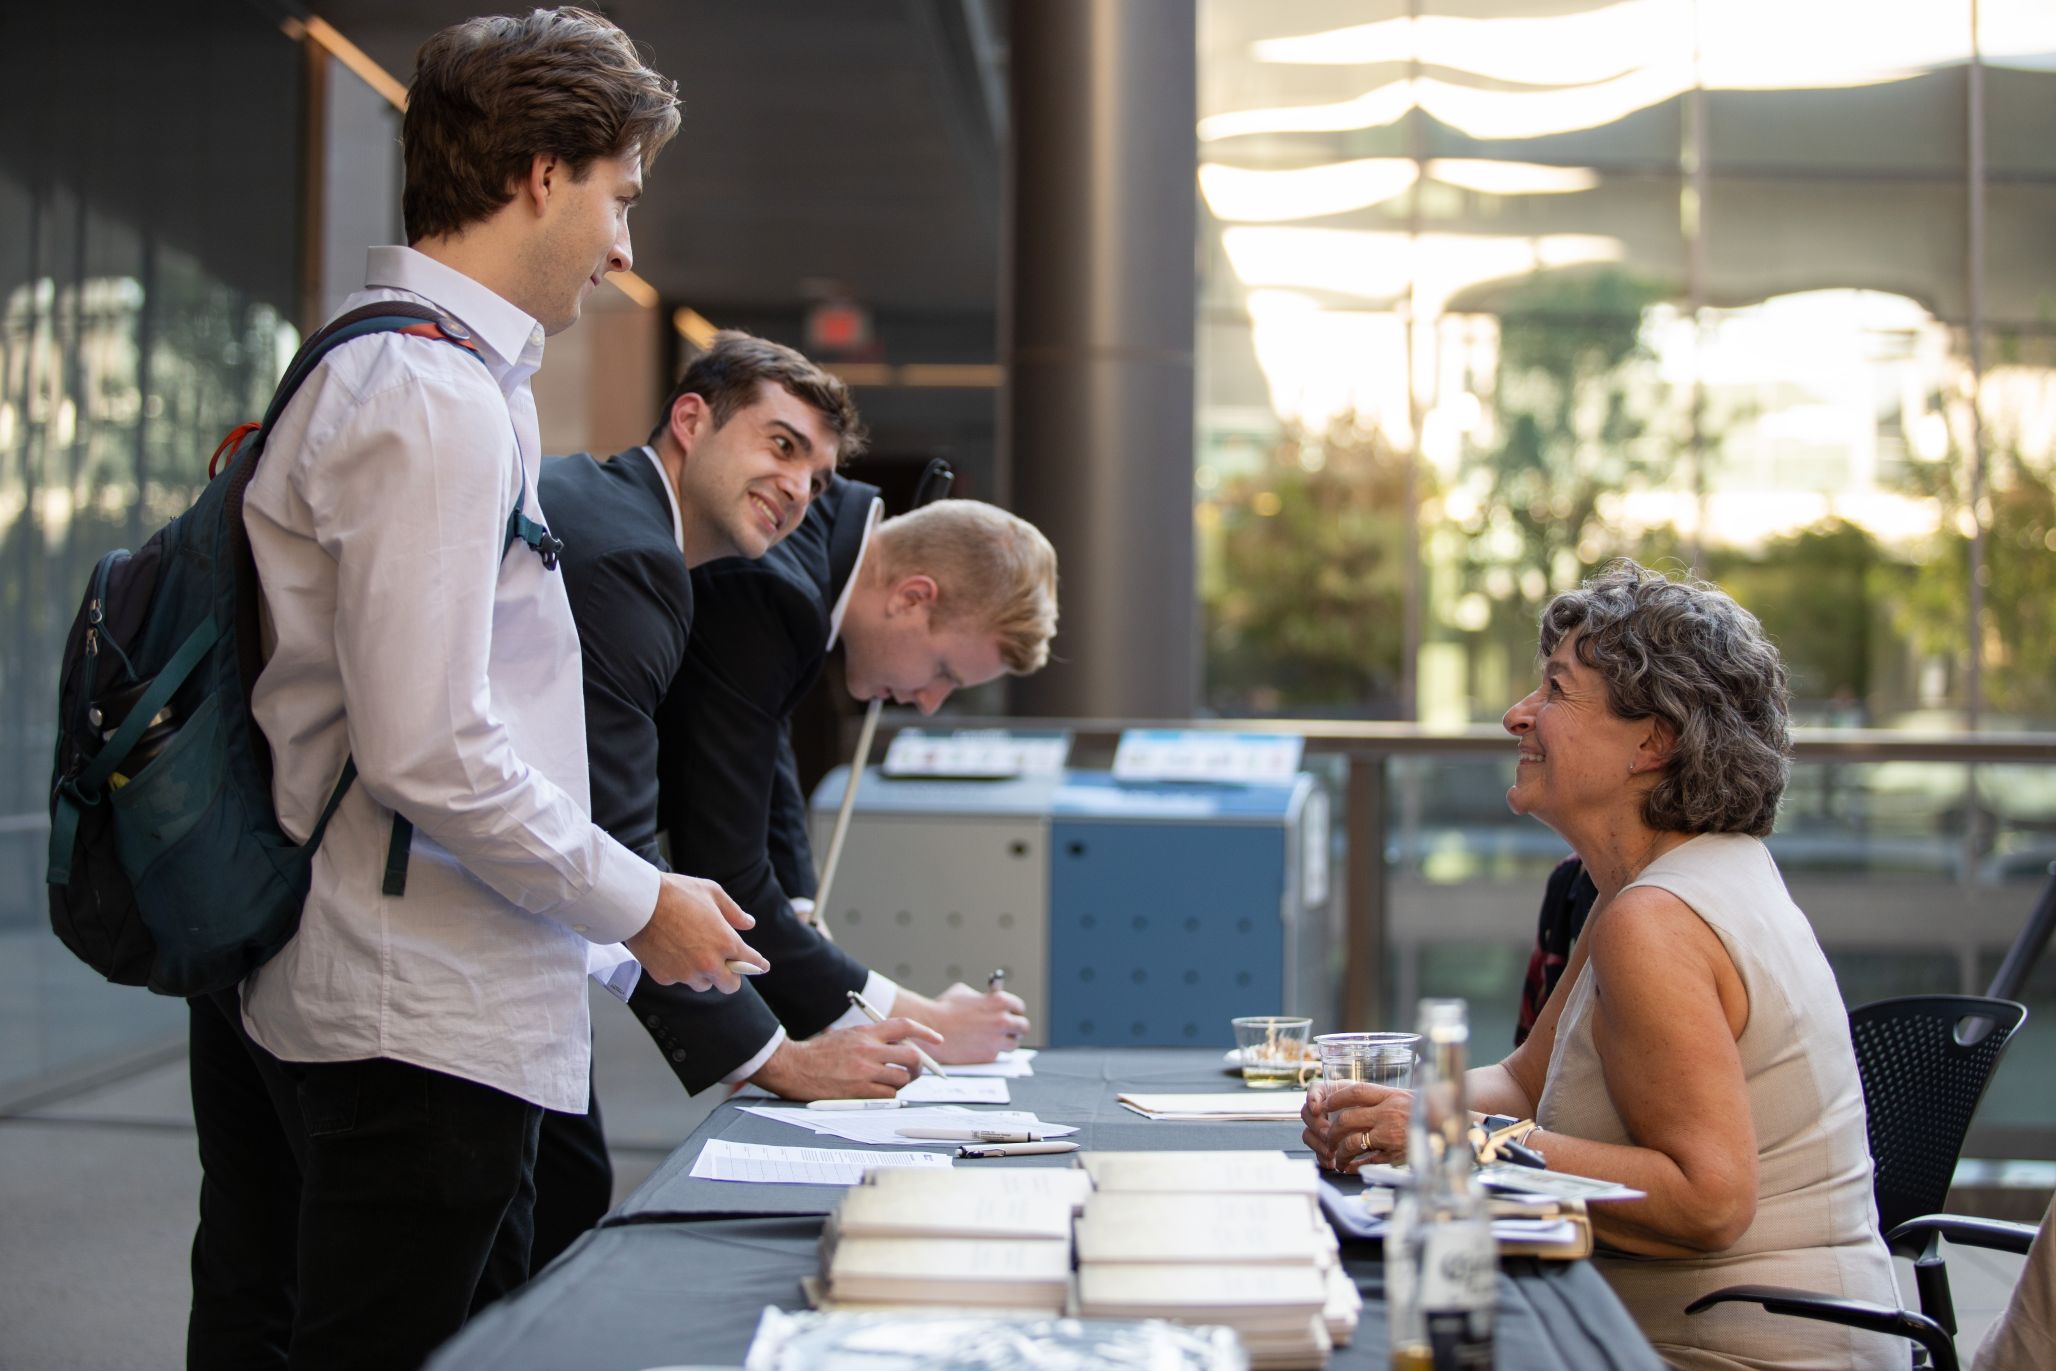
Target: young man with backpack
[{"x": 368, "y": 1102}]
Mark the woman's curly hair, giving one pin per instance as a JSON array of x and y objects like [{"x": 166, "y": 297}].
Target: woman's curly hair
[{"x": 1686, "y": 653}]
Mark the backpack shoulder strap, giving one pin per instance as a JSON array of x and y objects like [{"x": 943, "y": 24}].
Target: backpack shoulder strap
[{"x": 380, "y": 316}]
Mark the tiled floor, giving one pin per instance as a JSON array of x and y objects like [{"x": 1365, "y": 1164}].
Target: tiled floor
[{"x": 97, "y": 1193}]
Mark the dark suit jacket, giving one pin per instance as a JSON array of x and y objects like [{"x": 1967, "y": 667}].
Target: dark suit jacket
[
  {"x": 730, "y": 798},
  {"x": 631, "y": 597}
]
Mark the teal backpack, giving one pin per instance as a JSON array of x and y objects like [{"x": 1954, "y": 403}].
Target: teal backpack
[{"x": 168, "y": 868}]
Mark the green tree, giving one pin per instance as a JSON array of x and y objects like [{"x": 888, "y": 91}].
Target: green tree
[
  {"x": 1304, "y": 580},
  {"x": 1824, "y": 594},
  {"x": 2017, "y": 638},
  {"x": 2018, "y": 635}
]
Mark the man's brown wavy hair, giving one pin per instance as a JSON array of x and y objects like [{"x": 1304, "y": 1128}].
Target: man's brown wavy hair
[{"x": 491, "y": 94}]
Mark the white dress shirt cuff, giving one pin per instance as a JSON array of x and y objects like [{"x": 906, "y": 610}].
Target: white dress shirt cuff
[
  {"x": 755, "y": 1064},
  {"x": 622, "y": 897},
  {"x": 881, "y": 991},
  {"x": 615, "y": 968}
]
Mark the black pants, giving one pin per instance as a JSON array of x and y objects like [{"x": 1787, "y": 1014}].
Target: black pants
[
  {"x": 574, "y": 1180},
  {"x": 352, "y": 1214}
]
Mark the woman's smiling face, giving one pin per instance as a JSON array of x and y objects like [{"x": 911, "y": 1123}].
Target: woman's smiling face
[{"x": 1575, "y": 753}]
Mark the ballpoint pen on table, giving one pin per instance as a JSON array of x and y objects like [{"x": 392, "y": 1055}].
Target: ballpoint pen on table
[
  {"x": 857, "y": 999},
  {"x": 971, "y": 1135},
  {"x": 1024, "y": 1149}
]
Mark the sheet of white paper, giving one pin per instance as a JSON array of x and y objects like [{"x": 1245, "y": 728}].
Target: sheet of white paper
[
  {"x": 1018, "y": 1062},
  {"x": 1236, "y": 1104},
  {"x": 882, "y": 1127},
  {"x": 955, "y": 1090},
  {"x": 1559, "y": 1185},
  {"x": 721, "y": 1160}
]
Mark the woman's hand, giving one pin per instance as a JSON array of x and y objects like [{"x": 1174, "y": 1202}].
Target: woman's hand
[{"x": 1349, "y": 1123}]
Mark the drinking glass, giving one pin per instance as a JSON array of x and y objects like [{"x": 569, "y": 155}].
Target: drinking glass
[
  {"x": 1273, "y": 1050},
  {"x": 1385, "y": 1059}
]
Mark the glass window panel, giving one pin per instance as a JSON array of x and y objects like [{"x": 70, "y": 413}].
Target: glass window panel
[
  {"x": 1912, "y": 127},
  {"x": 2018, "y": 412},
  {"x": 147, "y": 289},
  {"x": 2020, "y": 267},
  {"x": 1528, "y": 81},
  {"x": 2017, "y": 41},
  {"x": 1767, "y": 237}
]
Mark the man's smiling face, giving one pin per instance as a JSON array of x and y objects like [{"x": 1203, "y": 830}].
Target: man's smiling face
[{"x": 747, "y": 483}]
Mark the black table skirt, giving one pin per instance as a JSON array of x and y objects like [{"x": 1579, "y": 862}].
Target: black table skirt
[{"x": 680, "y": 1273}]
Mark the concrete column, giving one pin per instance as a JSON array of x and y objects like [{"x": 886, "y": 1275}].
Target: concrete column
[{"x": 1099, "y": 338}]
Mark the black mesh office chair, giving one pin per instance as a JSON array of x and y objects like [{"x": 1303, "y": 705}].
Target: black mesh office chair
[{"x": 1925, "y": 1061}]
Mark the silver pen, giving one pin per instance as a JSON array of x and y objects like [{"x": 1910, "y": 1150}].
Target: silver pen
[
  {"x": 971, "y": 1135},
  {"x": 1018, "y": 1149},
  {"x": 996, "y": 981},
  {"x": 857, "y": 999}
]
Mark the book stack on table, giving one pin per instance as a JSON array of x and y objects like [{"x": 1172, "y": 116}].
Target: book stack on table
[
  {"x": 1233, "y": 1239},
  {"x": 994, "y": 1242}
]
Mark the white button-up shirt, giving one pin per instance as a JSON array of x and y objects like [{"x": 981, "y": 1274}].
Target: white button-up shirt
[{"x": 451, "y": 672}]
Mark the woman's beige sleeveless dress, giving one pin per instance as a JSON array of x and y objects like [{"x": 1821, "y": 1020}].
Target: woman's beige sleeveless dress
[{"x": 1816, "y": 1222}]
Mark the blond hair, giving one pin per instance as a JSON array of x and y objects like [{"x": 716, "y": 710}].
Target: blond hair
[{"x": 989, "y": 566}]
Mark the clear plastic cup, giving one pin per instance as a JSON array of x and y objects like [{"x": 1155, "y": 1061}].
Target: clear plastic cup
[
  {"x": 1385, "y": 1059},
  {"x": 1380, "y": 1058}
]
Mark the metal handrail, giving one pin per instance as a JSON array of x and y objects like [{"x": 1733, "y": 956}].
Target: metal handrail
[
  {"x": 1408, "y": 739},
  {"x": 1385, "y": 738}
]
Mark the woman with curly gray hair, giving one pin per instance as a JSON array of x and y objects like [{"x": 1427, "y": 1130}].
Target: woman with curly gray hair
[{"x": 1696, "y": 1047}]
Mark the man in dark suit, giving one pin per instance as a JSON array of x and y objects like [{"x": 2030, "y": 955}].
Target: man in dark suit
[
  {"x": 948, "y": 596},
  {"x": 951, "y": 595},
  {"x": 750, "y": 435}
]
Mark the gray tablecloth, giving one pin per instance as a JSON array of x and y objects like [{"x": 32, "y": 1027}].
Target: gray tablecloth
[{"x": 680, "y": 1273}]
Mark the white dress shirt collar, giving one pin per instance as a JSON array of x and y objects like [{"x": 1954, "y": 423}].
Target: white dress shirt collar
[
  {"x": 671, "y": 494},
  {"x": 493, "y": 320},
  {"x": 842, "y": 601}
]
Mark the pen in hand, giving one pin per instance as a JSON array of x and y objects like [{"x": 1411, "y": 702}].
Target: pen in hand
[
  {"x": 857, "y": 999},
  {"x": 996, "y": 981}
]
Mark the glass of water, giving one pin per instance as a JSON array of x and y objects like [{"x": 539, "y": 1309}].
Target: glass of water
[
  {"x": 1385, "y": 1059},
  {"x": 1273, "y": 1050}
]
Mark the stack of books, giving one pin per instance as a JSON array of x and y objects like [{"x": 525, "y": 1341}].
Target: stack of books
[
  {"x": 1234, "y": 1239},
  {"x": 950, "y": 1240}
]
